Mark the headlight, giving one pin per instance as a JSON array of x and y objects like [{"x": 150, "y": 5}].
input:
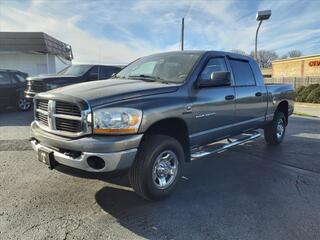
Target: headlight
[{"x": 116, "y": 120}]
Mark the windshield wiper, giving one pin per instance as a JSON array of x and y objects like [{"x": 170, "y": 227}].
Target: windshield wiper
[
  {"x": 142, "y": 77},
  {"x": 148, "y": 78}
]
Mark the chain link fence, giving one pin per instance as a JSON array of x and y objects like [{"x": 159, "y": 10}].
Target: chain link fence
[{"x": 295, "y": 81}]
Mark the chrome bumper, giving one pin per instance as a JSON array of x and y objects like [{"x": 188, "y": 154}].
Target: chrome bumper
[{"x": 113, "y": 161}]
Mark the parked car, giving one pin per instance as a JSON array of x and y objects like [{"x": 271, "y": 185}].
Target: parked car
[
  {"x": 70, "y": 75},
  {"x": 12, "y": 85},
  {"x": 157, "y": 114}
]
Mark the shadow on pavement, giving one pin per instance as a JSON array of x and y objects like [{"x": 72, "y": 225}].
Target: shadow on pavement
[{"x": 12, "y": 117}]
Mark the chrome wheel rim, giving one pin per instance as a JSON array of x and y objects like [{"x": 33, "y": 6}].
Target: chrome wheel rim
[
  {"x": 165, "y": 169},
  {"x": 280, "y": 128},
  {"x": 24, "y": 104}
]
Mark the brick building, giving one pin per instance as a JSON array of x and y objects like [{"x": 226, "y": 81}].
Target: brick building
[
  {"x": 299, "y": 71},
  {"x": 300, "y": 67}
]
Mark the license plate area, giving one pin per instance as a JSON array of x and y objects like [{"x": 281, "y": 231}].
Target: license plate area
[{"x": 46, "y": 157}]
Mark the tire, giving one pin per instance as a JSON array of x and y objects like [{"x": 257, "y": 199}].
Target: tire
[
  {"x": 157, "y": 167},
  {"x": 274, "y": 132},
  {"x": 23, "y": 104}
]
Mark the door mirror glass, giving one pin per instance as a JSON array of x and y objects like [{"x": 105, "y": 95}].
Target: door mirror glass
[{"x": 217, "y": 79}]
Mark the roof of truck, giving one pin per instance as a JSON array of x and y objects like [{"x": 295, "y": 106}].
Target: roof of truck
[{"x": 222, "y": 53}]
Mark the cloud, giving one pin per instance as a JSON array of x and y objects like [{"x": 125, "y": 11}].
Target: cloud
[
  {"x": 120, "y": 31},
  {"x": 86, "y": 47}
]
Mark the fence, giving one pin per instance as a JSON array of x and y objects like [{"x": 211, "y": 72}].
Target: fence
[{"x": 295, "y": 81}]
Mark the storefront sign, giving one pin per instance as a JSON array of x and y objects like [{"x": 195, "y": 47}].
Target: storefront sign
[{"x": 314, "y": 63}]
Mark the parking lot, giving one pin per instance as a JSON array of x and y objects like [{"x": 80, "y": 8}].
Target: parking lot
[{"x": 250, "y": 192}]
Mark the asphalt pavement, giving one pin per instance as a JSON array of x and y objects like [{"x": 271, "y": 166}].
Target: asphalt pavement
[{"x": 250, "y": 192}]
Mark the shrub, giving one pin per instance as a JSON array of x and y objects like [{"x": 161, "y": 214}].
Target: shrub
[
  {"x": 304, "y": 93},
  {"x": 314, "y": 96}
]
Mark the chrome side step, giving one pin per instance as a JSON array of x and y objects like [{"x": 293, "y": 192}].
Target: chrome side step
[{"x": 210, "y": 149}]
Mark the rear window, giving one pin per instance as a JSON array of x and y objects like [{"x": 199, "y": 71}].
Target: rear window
[{"x": 242, "y": 72}]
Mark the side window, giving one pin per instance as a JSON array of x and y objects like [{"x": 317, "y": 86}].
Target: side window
[
  {"x": 93, "y": 73},
  {"x": 4, "y": 78},
  {"x": 242, "y": 73},
  {"x": 106, "y": 72},
  {"x": 19, "y": 78},
  {"x": 214, "y": 65}
]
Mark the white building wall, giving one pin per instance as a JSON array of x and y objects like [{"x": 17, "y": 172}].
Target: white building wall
[{"x": 31, "y": 63}]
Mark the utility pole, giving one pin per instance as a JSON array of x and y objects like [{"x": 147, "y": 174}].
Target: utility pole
[{"x": 182, "y": 33}]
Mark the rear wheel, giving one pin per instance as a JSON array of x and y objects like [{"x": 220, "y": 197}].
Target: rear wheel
[
  {"x": 275, "y": 131},
  {"x": 23, "y": 104},
  {"x": 157, "y": 168}
]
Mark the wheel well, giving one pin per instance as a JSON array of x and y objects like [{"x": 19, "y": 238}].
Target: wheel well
[
  {"x": 283, "y": 107},
  {"x": 173, "y": 127}
]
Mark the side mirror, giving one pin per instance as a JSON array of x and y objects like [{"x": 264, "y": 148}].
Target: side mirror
[{"x": 216, "y": 79}]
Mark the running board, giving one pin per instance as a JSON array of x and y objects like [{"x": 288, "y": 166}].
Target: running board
[{"x": 209, "y": 149}]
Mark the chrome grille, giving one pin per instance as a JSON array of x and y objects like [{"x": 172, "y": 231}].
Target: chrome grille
[
  {"x": 42, "y": 118},
  {"x": 42, "y": 104},
  {"x": 68, "y": 125},
  {"x": 35, "y": 86},
  {"x": 62, "y": 118},
  {"x": 68, "y": 109}
]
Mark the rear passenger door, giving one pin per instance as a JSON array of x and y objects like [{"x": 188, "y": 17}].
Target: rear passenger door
[{"x": 249, "y": 106}]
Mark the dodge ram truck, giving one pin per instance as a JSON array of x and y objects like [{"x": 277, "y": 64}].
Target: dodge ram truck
[{"x": 158, "y": 113}]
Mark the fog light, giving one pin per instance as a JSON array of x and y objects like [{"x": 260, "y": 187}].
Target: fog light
[{"x": 96, "y": 162}]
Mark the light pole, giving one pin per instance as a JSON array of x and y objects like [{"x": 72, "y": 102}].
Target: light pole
[
  {"x": 261, "y": 16},
  {"x": 182, "y": 34}
]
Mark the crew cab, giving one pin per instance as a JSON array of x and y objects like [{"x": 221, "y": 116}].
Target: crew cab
[
  {"x": 12, "y": 85},
  {"x": 158, "y": 113},
  {"x": 70, "y": 75}
]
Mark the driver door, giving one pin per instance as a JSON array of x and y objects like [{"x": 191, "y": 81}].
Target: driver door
[{"x": 213, "y": 108}]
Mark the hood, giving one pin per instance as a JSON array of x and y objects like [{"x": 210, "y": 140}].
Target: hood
[
  {"x": 49, "y": 77},
  {"x": 107, "y": 91}
]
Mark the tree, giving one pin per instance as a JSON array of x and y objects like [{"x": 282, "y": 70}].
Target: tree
[
  {"x": 294, "y": 53},
  {"x": 265, "y": 58}
]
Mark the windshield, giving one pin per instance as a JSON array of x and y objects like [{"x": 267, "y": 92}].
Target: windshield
[
  {"x": 171, "y": 67},
  {"x": 75, "y": 70}
]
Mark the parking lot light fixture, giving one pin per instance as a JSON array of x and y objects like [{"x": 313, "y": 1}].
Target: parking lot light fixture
[{"x": 261, "y": 16}]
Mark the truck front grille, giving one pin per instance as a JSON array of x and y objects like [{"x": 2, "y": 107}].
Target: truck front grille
[
  {"x": 62, "y": 118},
  {"x": 68, "y": 125},
  {"x": 68, "y": 109},
  {"x": 35, "y": 86}
]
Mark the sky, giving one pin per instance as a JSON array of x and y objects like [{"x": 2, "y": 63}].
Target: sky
[{"x": 119, "y": 31}]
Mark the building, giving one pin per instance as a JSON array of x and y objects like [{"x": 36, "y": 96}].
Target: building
[
  {"x": 299, "y": 67},
  {"x": 299, "y": 71},
  {"x": 33, "y": 52}
]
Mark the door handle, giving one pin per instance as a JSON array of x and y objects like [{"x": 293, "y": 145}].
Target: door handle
[
  {"x": 229, "y": 97},
  {"x": 258, "y": 94}
]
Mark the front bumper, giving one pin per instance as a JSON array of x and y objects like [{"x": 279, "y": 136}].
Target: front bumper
[{"x": 117, "y": 152}]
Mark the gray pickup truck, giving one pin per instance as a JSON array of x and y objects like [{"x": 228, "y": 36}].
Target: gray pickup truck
[{"x": 158, "y": 113}]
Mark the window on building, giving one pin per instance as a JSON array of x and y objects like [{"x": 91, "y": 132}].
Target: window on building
[{"x": 242, "y": 73}]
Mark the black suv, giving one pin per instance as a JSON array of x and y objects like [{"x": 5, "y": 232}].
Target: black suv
[
  {"x": 12, "y": 84},
  {"x": 70, "y": 75}
]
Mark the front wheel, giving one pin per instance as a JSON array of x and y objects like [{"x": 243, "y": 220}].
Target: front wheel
[
  {"x": 23, "y": 104},
  {"x": 274, "y": 131},
  {"x": 157, "y": 167}
]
